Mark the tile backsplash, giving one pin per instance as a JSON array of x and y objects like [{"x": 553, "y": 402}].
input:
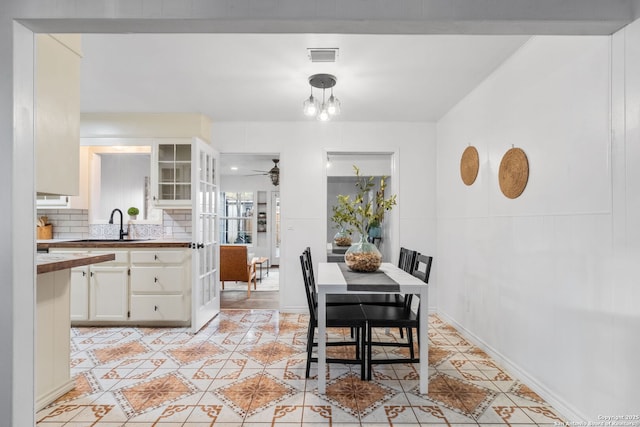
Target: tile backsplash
[
  {"x": 74, "y": 224},
  {"x": 177, "y": 223},
  {"x": 68, "y": 223}
]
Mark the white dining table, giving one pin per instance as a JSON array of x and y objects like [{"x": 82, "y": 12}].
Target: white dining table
[{"x": 330, "y": 280}]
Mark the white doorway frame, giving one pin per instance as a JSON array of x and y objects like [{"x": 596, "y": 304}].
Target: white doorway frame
[{"x": 394, "y": 214}]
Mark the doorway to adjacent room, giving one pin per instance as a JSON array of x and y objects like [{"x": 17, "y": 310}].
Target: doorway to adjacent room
[{"x": 249, "y": 214}]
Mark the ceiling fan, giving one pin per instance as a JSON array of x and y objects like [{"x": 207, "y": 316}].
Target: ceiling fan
[{"x": 273, "y": 173}]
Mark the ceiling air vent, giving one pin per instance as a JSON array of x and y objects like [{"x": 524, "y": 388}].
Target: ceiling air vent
[{"x": 323, "y": 54}]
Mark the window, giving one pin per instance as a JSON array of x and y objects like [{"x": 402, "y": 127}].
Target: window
[{"x": 236, "y": 222}]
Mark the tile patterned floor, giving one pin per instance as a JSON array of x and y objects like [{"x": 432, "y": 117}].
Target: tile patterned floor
[{"x": 246, "y": 368}]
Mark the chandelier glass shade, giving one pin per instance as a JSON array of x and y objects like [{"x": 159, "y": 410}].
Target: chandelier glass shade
[{"x": 323, "y": 111}]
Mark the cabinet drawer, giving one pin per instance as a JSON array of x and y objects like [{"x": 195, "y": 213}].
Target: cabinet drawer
[
  {"x": 122, "y": 257},
  {"x": 157, "y": 279},
  {"x": 157, "y": 307},
  {"x": 157, "y": 257}
]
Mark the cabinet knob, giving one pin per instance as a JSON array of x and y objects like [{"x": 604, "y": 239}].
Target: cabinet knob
[
  {"x": 155, "y": 308},
  {"x": 84, "y": 273},
  {"x": 200, "y": 245},
  {"x": 155, "y": 257},
  {"x": 155, "y": 280}
]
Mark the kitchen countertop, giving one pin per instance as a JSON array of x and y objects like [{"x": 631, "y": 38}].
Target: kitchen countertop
[
  {"x": 48, "y": 263},
  {"x": 157, "y": 243}
]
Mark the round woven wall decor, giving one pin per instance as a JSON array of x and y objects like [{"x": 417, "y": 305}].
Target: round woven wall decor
[
  {"x": 469, "y": 165},
  {"x": 514, "y": 173}
]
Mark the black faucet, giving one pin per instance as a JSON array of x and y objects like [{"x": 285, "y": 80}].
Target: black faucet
[{"x": 122, "y": 232}]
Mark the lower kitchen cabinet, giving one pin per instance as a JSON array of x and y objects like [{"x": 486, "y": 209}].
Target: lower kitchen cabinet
[
  {"x": 141, "y": 285},
  {"x": 108, "y": 293},
  {"x": 100, "y": 292},
  {"x": 159, "y": 284},
  {"x": 79, "y": 308}
]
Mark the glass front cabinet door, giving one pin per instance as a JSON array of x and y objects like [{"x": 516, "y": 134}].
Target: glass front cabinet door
[{"x": 171, "y": 182}]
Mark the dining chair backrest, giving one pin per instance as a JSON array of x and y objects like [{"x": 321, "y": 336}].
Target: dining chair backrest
[
  {"x": 407, "y": 259},
  {"x": 307, "y": 251},
  {"x": 309, "y": 284},
  {"x": 422, "y": 267}
]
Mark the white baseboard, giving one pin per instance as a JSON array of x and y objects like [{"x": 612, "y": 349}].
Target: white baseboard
[
  {"x": 51, "y": 395},
  {"x": 566, "y": 410},
  {"x": 294, "y": 310}
]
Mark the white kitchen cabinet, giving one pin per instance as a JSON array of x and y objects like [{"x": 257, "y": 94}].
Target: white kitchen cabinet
[
  {"x": 81, "y": 201},
  {"x": 53, "y": 377},
  {"x": 160, "y": 283},
  {"x": 100, "y": 292},
  {"x": 57, "y": 113},
  {"x": 80, "y": 293},
  {"x": 108, "y": 296},
  {"x": 109, "y": 287},
  {"x": 158, "y": 307},
  {"x": 139, "y": 285},
  {"x": 171, "y": 175}
]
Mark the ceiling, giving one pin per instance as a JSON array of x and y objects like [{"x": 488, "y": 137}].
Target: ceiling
[
  {"x": 414, "y": 66},
  {"x": 264, "y": 77}
]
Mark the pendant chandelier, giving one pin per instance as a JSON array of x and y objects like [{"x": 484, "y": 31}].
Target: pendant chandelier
[
  {"x": 274, "y": 173},
  {"x": 329, "y": 107}
]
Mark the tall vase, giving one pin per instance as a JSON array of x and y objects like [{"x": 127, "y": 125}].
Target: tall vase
[
  {"x": 342, "y": 238},
  {"x": 363, "y": 256}
]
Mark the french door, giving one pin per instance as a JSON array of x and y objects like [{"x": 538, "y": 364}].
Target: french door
[{"x": 205, "y": 289}]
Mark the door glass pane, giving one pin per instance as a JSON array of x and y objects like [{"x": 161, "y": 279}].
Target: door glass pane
[
  {"x": 213, "y": 171},
  {"x": 202, "y": 196},
  {"x": 204, "y": 167},
  {"x": 235, "y": 231},
  {"x": 237, "y": 221}
]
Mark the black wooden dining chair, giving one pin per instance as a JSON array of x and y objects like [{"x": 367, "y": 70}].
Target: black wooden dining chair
[
  {"x": 335, "y": 299},
  {"x": 343, "y": 316},
  {"x": 422, "y": 267},
  {"x": 406, "y": 262},
  {"x": 407, "y": 259},
  {"x": 396, "y": 317},
  {"x": 422, "y": 270}
]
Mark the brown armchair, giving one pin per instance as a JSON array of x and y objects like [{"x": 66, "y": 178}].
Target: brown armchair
[{"x": 235, "y": 266}]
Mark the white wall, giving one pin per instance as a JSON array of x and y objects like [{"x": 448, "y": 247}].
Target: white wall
[
  {"x": 302, "y": 148},
  {"x": 538, "y": 279},
  {"x": 122, "y": 183}
]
